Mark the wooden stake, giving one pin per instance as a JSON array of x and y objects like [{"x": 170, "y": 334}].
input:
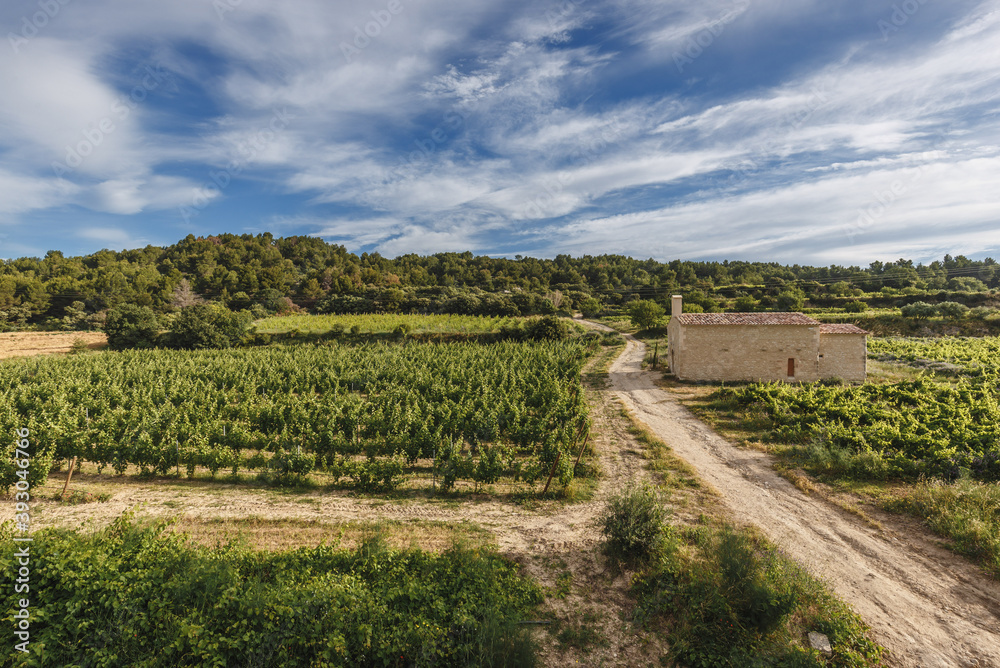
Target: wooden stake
[
  {"x": 552, "y": 472},
  {"x": 69, "y": 475},
  {"x": 580, "y": 456}
]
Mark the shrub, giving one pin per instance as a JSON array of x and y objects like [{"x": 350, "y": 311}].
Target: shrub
[
  {"x": 633, "y": 523},
  {"x": 207, "y": 326},
  {"x": 79, "y": 346},
  {"x": 791, "y": 300},
  {"x": 982, "y": 312},
  {"x": 919, "y": 310},
  {"x": 377, "y": 475},
  {"x": 952, "y": 310},
  {"x": 645, "y": 313},
  {"x": 548, "y": 328},
  {"x": 590, "y": 307},
  {"x": 131, "y": 326},
  {"x": 855, "y": 307}
]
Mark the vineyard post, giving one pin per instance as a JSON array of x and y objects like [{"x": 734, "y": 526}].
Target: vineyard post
[
  {"x": 656, "y": 352},
  {"x": 69, "y": 475},
  {"x": 552, "y": 472}
]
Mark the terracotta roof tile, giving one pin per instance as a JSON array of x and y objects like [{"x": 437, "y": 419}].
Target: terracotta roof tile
[
  {"x": 745, "y": 319},
  {"x": 840, "y": 328}
]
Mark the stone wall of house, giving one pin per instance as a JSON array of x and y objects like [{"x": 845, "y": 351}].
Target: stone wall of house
[
  {"x": 745, "y": 352},
  {"x": 843, "y": 356}
]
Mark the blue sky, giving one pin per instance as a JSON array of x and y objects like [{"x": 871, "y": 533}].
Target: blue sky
[{"x": 796, "y": 131}]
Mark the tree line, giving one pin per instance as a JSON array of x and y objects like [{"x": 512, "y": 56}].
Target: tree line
[{"x": 267, "y": 274}]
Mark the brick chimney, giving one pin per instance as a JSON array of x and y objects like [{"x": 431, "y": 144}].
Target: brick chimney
[{"x": 676, "y": 305}]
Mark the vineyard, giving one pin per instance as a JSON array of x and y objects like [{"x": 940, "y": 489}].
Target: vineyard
[
  {"x": 364, "y": 413},
  {"x": 979, "y": 356},
  {"x": 382, "y": 323},
  {"x": 879, "y": 431}
]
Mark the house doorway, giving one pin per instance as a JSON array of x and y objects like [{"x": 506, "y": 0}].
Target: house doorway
[{"x": 791, "y": 367}]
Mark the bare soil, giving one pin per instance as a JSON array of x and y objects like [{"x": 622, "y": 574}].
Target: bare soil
[
  {"x": 926, "y": 605},
  {"x": 27, "y": 344}
]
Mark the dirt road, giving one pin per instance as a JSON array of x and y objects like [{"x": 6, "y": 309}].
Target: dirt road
[{"x": 927, "y": 606}]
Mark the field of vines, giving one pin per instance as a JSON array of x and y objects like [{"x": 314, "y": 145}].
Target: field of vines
[
  {"x": 929, "y": 426},
  {"x": 382, "y": 323},
  {"x": 365, "y": 413},
  {"x": 977, "y": 356}
]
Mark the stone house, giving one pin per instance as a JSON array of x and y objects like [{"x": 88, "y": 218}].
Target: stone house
[{"x": 763, "y": 346}]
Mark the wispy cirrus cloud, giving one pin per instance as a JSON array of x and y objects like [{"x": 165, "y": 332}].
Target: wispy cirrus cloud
[{"x": 549, "y": 127}]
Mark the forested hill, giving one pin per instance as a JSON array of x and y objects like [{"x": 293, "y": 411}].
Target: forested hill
[{"x": 306, "y": 272}]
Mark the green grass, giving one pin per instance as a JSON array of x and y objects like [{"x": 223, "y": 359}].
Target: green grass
[
  {"x": 729, "y": 597},
  {"x": 967, "y": 512},
  {"x": 732, "y": 599}
]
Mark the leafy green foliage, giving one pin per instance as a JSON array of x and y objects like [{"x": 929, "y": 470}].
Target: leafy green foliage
[
  {"x": 731, "y": 598},
  {"x": 952, "y": 310},
  {"x": 206, "y": 326},
  {"x": 904, "y": 430},
  {"x": 283, "y": 409},
  {"x": 645, "y": 313},
  {"x": 919, "y": 310},
  {"x": 131, "y": 326},
  {"x": 855, "y": 307},
  {"x": 633, "y": 523},
  {"x": 137, "y": 596},
  {"x": 791, "y": 300},
  {"x": 591, "y": 307}
]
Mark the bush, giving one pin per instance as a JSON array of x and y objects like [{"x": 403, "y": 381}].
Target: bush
[
  {"x": 548, "y": 328},
  {"x": 633, "y": 523},
  {"x": 855, "y": 307},
  {"x": 377, "y": 475},
  {"x": 952, "y": 310},
  {"x": 131, "y": 326},
  {"x": 919, "y": 310},
  {"x": 645, "y": 313},
  {"x": 207, "y": 326},
  {"x": 791, "y": 300},
  {"x": 590, "y": 308}
]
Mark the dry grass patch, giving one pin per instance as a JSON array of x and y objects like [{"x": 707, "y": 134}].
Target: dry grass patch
[{"x": 262, "y": 533}]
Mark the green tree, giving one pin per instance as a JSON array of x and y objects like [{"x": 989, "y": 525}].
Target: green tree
[
  {"x": 207, "y": 326},
  {"x": 645, "y": 313},
  {"x": 791, "y": 300},
  {"x": 855, "y": 307},
  {"x": 590, "y": 307},
  {"x": 952, "y": 310},
  {"x": 919, "y": 310},
  {"x": 131, "y": 326}
]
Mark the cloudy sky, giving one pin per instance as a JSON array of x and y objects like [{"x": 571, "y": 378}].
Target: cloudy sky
[{"x": 799, "y": 131}]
